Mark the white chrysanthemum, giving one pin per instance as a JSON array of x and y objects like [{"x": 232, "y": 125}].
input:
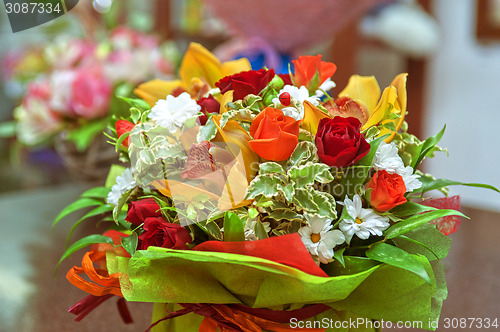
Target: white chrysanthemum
[
  {"x": 364, "y": 222},
  {"x": 410, "y": 179},
  {"x": 124, "y": 183},
  {"x": 387, "y": 158},
  {"x": 297, "y": 98},
  {"x": 328, "y": 84},
  {"x": 172, "y": 112},
  {"x": 320, "y": 239}
]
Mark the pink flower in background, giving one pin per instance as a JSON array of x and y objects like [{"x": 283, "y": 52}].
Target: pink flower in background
[
  {"x": 90, "y": 94},
  {"x": 36, "y": 121},
  {"x": 124, "y": 37},
  {"x": 70, "y": 53}
]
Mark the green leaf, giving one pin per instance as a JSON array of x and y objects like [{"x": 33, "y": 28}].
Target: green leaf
[
  {"x": 83, "y": 136},
  {"x": 8, "y": 129},
  {"x": 325, "y": 203},
  {"x": 270, "y": 167},
  {"x": 135, "y": 114},
  {"x": 307, "y": 174},
  {"x": 287, "y": 190},
  {"x": 121, "y": 203},
  {"x": 120, "y": 140},
  {"x": 410, "y": 208},
  {"x": 136, "y": 102},
  {"x": 418, "y": 243},
  {"x": 304, "y": 152},
  {"x": 82, "y": 243},
  {"x": 114, "y": 172},
  {"x": 234, "y": 228},
  {"x": 303, "y": 200},
  {"x": 394, "y": 256},
  {"x": 266, "y": 186},
  {"x": 427, "y": 147},
  {"x": 207, "y": 132},
  {"x": 97, "y": 192},
  {"x": 405, "y": 226},
  {"x": 79, "y": 204},
  {"x": 352, "y": 181},
  {"x": 339, "y": 255},
  {"x": 130, "y": 242},
  {"x": 94, "y": 212},
  {"x": 260, "y": 231},
  {"x": 238, "y": 115},
  {"x": 430, "y": 184},
  {"x": 368, "y": 159},
  {"x": 280, "y": 214}
]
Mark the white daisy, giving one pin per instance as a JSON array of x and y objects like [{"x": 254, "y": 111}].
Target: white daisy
[
  {"x": 320, "y": 239},
  {"x": 297, "y": 98},
  {"x": 364, "y": 222},
  {"x": 124, "y": 183},
  {"x": 328, "y": 84},
  {"x": 387, "y": 158},
  {"x": 172, "y": 112}
]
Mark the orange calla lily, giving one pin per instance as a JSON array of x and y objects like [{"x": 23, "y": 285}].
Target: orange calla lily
[
  {"x": 198, "y": 63},
  {"x": 367, "y": 91}
]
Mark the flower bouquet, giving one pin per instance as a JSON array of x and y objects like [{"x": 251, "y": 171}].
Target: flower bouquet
[
  {"x": 258, "y": 202},
  {"x": 70, "y": 103}
]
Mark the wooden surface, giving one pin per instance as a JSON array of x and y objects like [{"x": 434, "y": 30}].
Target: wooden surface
[{"x": 31, "y": 299}]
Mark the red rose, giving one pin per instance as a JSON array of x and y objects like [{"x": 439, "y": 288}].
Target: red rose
[
  {"x": 287, "y": 80},
  {"x": 159, "y": 233},
  {"x": 275, "y": 135},
  {"x": 122, "y": 127},
  {"x": 140, "y": 210},
  {"x": 208, "y": 105},
  {"x": 245, "y": 83},
  {"x": 340, "y": 142},
  {"x": 388, "y": 191}
]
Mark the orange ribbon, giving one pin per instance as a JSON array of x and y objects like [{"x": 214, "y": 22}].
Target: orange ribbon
[
  {"x": 246, "y": 322},
  {"x": 102, "y": 283}
]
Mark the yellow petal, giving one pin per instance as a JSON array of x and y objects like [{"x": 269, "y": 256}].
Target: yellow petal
[
  {"x": 154, "y": 90},
  {"x": 364, "y": 89},
  {"x": 312, "y": 116},
  {"x": 399, "y": 83},
  {"x": 172, "y": 189},
  {"x": 226, "y": 98},
  {"x": 389, "y": 97},
  {"x": 236, "y": 138},
  {"x": 198, "y": 62},
  {"x": 235, "y": 66},
  {"x": 233, "y": 194}
]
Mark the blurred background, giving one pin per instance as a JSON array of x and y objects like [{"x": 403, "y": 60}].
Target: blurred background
[{"x": 451, "y": 50}]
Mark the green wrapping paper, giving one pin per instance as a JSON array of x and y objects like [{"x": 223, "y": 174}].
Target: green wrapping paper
[{"x": 378, "y": 291}]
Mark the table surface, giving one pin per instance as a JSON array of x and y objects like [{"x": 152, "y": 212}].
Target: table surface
[{"x": 32, "y": 299}]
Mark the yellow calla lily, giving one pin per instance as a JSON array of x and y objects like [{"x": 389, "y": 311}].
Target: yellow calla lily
[
  {"x": 226, "y": 98},
  {"x": 156, "y": 89},
  {"x": 198, "y": 63},
  {"x": 367, "y": 91},
  {"x": 312, "y": 116},
  {"x": 363, "y": 89},
  {"x": 236, "y": 137}
]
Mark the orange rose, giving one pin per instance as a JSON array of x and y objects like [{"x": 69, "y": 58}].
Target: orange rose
[
  {"x": 388, "y": 191},
  {"x": 307, "y": 66},
  {"x": 275, "y": 135}
]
